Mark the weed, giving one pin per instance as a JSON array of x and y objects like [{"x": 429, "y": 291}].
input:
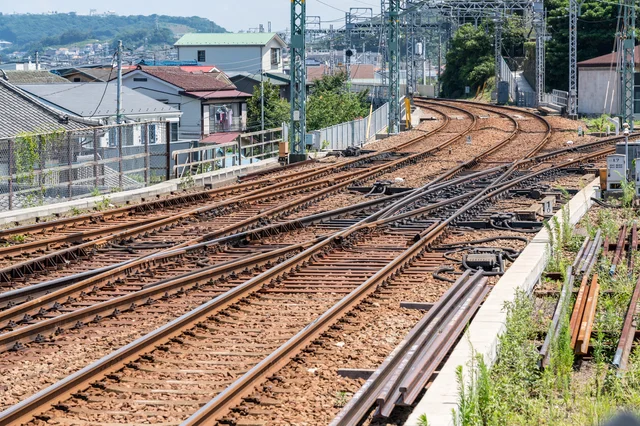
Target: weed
[
  {"x": 103, "y": 204},
  {"x": 95, "y": 192},
  {"x": 18, "y": 238},
  {"x": 628, "y": 193},
  {"x": 341, "y": 399},
  {"x": 186, "y": 181},
  {"x": 422, "y": 420},
  {"x": 75, "y": 211}
]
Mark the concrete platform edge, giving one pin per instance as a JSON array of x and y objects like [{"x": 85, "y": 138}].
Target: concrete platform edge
[
  {"x": 440, "y": 400},
  {"x": 216, "y": 178}
]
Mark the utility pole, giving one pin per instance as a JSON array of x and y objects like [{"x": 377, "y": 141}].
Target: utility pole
[
  {"x": 298, "y": 128},
  {"x": 572, "y": 107},
  {"x": 262, "y": 100},
  {"x": 119, "y": 97},
  {"x": 37, "y": 60},
  {"x": 628, "y": 61},
  {"x": 498, "y": 49},
  {"x": 332, "y": 51},
  {"x": 393, "y": 36},
  {"x": 539, "y": 24}
]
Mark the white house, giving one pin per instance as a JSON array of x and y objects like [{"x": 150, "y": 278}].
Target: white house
[
  {"x": 98, "y": 102},
  {"x": 209, "y": 101},
  {"x": 599, "y": 85},
  {"x": 250, "y": 52}
]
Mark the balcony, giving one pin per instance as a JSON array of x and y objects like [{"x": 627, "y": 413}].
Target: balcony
[{"x": 233, "y": 125}]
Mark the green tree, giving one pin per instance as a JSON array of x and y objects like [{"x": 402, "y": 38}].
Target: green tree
[
  {"x": 469, "y": 60},
  {"x": 596, "y": 34},
  {"x": 276, "y": 109},
  {"x": 331, "y": 103}
]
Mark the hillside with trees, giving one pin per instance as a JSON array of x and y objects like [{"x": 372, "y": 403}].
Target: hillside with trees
[{"x": 31, "y": 32}]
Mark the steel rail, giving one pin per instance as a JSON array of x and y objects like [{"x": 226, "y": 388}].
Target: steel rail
[
  {"x": 37, "y": 331},
  {"x": 55, "y": 292},
  {"x": 232, "y": 394},
  {"x": 410, "y": 387},
  {"x": 629, "y": 328},
  {"x": 38, "y": 265},
  {"x": 39, "y": 402}
]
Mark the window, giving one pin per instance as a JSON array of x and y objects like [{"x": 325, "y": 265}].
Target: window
[
  {"x": 152, "y": 133},
  {"x": 174, "y": 132},
  {"x": 275, "y": 56},
  {"x": 76, "y": 79},
  {"x": 139, "y": 78},
  {"x": 201, "y": 56}
]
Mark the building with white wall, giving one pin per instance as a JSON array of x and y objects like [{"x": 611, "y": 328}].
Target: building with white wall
[
  {"x": 251, "y": 52},
  {"x": 208, "y": 100},
  {"x": 98, "y": 102},
  {"x": 599, "y": 85}
]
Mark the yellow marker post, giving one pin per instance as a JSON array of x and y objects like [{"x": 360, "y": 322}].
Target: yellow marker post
[{"x": 407, "y": 107}]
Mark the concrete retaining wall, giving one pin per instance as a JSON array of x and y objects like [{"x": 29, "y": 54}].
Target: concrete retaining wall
[{"x": 482, "y": 334}]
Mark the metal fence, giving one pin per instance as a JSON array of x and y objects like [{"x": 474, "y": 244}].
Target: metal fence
[
  {"x": 52, "y": 167},
  {"x": 351, "y": 133},
  {"x": 249, "y": 148},
  {"x": 556, "y": 97}
]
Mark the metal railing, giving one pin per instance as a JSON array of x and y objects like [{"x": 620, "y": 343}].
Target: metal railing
[
  {"x": 233, "y": 125},
  {"x": 249, "y": 148},
  {"x": 557, "y": 97},
  {"x": 52, "y": 167}
]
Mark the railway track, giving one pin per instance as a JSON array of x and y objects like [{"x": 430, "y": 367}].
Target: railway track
[
  {"x": 227, "y": 398},
  {"x": 297, "y": 275},
  {"x": 197, "y": 225}
]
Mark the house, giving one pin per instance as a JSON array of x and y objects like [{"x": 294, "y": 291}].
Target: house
[
  {"x": 209, "y": 101},
  {"x": 248, "y": 82},
  {"x": 251, "y": 52},
  {"x": 599, "y": 85},
  {"x": 97, "y": 102},
  {"x": 21, "y": 113}
]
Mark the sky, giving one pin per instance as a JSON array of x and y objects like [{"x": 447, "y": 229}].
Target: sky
[{"x": 234, "y": 15}]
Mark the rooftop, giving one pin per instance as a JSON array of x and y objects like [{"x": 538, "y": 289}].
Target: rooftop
[
  {"x": 358, "y": 72},
  {"x": 226, "y": 39},
  {"x": 27, "y": 77},
  {"x": 191, "y": 81},
  {"x": 20, "y": 113},
  {"x": 86, "y": 99},
  {"x": 100, "y": 74},
  {"x": 608, "y": 60},
  {"x": 241, "y": 75}
]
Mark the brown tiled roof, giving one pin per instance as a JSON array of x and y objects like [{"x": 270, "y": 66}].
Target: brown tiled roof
[
  {"x": 190, "y": 81},
  {"x": 608, "y": 59}
]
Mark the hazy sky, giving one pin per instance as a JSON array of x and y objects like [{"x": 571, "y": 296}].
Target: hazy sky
[{"x": 234, "y": 15}]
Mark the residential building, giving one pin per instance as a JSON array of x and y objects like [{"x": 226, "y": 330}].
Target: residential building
[
  {"x": 251, "y": 52},
  {"x": 98, "y": 102},
  {"x": 249, "y": 82},
  {"x": 20, "y": 113},
  {"x": 599, "y": 85},
  {"x": 209, "y": 101}
]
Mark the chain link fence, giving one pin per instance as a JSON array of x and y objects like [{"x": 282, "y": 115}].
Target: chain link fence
[{"x": 38, "y": 169}]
